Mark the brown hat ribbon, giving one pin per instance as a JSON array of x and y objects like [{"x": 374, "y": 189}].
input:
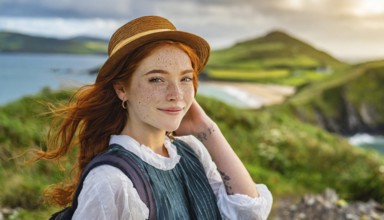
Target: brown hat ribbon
[{"x": 134, "y": 37}]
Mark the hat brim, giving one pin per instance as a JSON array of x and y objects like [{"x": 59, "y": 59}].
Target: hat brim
[{"x": 197, "y": 43}]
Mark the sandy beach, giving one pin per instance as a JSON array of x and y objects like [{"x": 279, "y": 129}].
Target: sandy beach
[{"x": 246, "y": 95}]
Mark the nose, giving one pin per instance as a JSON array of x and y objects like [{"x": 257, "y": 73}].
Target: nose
[{"x": 174, "y": 92}]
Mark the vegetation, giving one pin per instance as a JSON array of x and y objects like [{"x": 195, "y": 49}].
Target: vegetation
[
  {"x": 13, "y": 42},
  {"x": 274, "y": 58},
  {"x": 345, "y": 103},
  {"x": 289, "y": 156}
]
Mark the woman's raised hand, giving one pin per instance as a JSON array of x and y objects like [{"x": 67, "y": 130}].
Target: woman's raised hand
[{"x": 195, "y": 121}]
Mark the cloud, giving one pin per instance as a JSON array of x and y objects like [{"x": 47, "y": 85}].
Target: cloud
[
  {"x": 219, "y": 23},
  {"x": 339, "y": 27},
  {"x": 111, "y": 9},
  {"x": 59, "y": 27}
]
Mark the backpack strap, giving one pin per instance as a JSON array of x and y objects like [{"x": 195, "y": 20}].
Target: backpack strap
[{"x": 130, "y": 168}]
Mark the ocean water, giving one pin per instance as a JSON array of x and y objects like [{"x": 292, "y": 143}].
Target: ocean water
[
  {"x": 229, "y": 95},
  {"x": 368, "y": 141},
  {"x": 27, "y": 74}
]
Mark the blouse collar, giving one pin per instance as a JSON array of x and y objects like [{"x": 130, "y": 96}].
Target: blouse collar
[{"x": 147, "y": 154}]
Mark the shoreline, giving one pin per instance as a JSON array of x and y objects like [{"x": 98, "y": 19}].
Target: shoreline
[{"x": 246, "y": 95}]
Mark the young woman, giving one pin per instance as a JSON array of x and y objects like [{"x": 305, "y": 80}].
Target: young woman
[{"x": 143, "y": 95}]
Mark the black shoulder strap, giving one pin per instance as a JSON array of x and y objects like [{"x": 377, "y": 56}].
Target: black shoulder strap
[{"x": 130, "y": 169}]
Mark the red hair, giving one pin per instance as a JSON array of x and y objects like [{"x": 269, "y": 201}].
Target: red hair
[{"x": 93, "y": 114}]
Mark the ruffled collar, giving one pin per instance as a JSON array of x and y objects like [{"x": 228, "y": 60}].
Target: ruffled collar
[{"x": 147, "y": 154}]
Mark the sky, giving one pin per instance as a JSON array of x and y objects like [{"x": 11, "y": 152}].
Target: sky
[{"x": 350, "y": 30}]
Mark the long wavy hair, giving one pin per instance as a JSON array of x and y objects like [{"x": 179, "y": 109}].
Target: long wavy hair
[{"x": 93, "y": 114}]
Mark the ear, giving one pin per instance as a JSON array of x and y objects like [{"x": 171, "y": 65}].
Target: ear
[{"x": 120, "y": 91}]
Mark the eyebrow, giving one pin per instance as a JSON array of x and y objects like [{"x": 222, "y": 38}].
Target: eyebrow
[{"x": 166, "y": 72}]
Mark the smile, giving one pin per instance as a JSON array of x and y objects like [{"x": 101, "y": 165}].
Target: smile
[{"x": 171, "y": 111}]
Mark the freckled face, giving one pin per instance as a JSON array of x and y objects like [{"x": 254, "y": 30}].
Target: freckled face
[{"x": 161, "y": 90}]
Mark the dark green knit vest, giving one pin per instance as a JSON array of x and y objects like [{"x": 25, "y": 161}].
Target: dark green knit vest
[{"x": 182, "y": 192}]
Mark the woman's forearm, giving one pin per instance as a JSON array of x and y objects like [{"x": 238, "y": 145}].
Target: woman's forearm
[{"x": 233, "y": 172}]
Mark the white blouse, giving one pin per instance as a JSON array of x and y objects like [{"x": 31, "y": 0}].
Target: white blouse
[{"x": 108, "y": 194}]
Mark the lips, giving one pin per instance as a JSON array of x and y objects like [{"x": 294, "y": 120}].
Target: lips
[{"x": 172, "y": 110}]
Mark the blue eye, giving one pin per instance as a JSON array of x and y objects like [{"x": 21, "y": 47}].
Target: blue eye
[
  {"x": 155, "y": 80},
  {"x": 187, "y": 79}
]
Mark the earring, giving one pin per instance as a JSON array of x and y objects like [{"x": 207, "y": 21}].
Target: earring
[{"x": 123, "y": 104}]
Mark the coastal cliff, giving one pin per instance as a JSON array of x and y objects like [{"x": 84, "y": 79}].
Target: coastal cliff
[{"x": 346, "y": 104}]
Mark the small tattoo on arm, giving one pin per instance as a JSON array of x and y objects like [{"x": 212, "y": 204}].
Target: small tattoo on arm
[
  {"x": 226, "y": 180},
  {"x": 204, "y": 135}
]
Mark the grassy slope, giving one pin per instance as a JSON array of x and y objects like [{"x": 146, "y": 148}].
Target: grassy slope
[
  {"x": 12, "y": 42},
  {"x": 360, "y": 85},
  {"x": 276, "y": 57},
  {"x": 287, "y": 155},
  {"x": 352, "y": 73}
]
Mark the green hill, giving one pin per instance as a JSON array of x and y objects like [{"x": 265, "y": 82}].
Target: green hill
[
  {"x": 291, "y": 157},
  {"x": 346, "y": 103},
  {"x": 276, "y": 57},
  {"x": 14, "y": 42}
]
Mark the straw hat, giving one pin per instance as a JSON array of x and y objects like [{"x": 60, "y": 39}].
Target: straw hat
[{"x": 147, "y": 29}]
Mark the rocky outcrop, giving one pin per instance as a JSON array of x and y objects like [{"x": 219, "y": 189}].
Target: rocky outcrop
[
  {"x": 350, "y": 106},
  {"x": 328, "y": 206},
  {"x": 350, "y": 119},
  {"x": 8, "y": 213}
]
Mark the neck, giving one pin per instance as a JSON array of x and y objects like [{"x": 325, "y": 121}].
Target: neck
[{"x": 151, "y": 139}]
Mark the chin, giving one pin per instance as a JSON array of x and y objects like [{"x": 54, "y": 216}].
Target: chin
[{"x": 171, "y": 127}]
